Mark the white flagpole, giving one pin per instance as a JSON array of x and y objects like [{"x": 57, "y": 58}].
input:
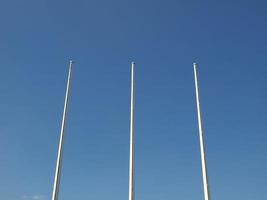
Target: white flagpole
[
  {"x": 61, "y": 142},
  {"x": 202, "y": 143},
  {"x": 131, "y": 164}
]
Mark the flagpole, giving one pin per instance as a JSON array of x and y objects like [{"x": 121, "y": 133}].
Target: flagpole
[
  {"x": 61, "y": 142},
  {"x": 201, "y": 138},
  {"x": 131, "y": 161}
]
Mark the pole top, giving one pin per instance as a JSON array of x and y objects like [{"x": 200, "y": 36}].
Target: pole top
[
  {"x": 72, "y": 61},
  {"x": 195, "y": 64},
  {"x": 133, "y": 63}
]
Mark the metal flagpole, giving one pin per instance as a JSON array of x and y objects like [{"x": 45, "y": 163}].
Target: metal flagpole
[
  {"x": 201, "y": 137},
  {"x": 61, "y": 142},
  {"x": 131, "y": 167}
]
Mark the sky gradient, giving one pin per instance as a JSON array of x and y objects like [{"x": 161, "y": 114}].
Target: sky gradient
[{"x": 226, "y": 38}]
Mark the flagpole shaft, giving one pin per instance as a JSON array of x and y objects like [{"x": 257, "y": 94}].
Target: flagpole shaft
[
  {"x": 131, "y": 162},
  {"x": 201, "y": 138},
  {"x": 61, "y": 142}
]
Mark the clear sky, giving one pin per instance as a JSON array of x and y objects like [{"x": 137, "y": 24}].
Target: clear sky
[{"x": 226, "y": 38}]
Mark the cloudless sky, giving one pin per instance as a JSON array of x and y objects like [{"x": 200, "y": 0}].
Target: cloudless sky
[{"x": 226, "y": 38}]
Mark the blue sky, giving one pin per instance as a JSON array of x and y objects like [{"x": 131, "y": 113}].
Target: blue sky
[{"x": 164, "y": 38}]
